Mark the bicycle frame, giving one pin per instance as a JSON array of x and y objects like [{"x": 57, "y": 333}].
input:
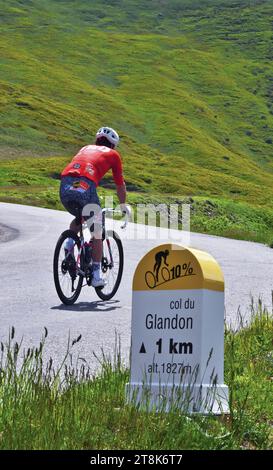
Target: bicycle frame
[
  {"x": 104, "y": 237},
  {"x": 72, "y": 262}
]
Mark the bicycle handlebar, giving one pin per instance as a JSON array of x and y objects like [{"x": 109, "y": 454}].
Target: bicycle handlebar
[{"x": 116, "y": 211}]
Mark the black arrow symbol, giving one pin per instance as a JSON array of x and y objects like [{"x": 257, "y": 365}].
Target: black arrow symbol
[{"x": 142, "y": 349}]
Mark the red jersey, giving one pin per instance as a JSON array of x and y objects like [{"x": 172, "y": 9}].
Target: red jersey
[{"x": 93, "y": 161}]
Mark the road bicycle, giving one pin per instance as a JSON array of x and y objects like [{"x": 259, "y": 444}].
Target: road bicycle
[
  {"x": 152, "y": 281},
  {"x": 72, "y": 267}
]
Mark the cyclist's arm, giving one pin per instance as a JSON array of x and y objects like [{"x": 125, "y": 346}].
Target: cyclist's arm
[
  {"x": 121, "y": 193},
  {"x": 118, "y": 178}
]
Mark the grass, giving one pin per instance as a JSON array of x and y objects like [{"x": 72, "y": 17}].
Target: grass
[
  {"x": 187, "y": 84},
  {"x": 44, "y": 407},
  {"x": 37, "y": 184}
]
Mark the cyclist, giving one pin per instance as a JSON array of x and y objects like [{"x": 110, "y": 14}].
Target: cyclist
[{"x": 79, "y": 180}]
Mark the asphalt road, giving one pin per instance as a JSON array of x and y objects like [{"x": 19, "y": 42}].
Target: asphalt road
[{"x": 29, "y": 301}]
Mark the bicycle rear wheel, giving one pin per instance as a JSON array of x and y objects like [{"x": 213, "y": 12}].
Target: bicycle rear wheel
[
  {"x": 68, "y": 281},
  {"x": 111, "y": 265}
]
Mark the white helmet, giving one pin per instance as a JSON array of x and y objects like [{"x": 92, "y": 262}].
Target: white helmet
[{"x": 109, "y": 134}]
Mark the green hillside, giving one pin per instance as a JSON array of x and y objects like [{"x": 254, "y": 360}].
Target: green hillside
[{"x": 188, "y": 84}]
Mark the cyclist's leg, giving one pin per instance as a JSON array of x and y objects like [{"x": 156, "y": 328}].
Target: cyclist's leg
[
  {"x": 95, "y": 228},
  {"x": 71, "y": 200},
  {"x": 75, "y": 225},
  {"x": 92, "y": 212}
]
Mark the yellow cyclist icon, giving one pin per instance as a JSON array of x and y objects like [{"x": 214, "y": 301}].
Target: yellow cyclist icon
[
  {"x": 158, "y": 261},
  {"x": 151, "y": 278}
]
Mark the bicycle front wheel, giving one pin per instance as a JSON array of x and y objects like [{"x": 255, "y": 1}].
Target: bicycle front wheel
[
  {"x": 68, "y": 281},
  {"x": 111, "y": 265}
]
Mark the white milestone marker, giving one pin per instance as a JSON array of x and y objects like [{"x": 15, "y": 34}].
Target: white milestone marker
[{"x": 177, "y": 355}]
